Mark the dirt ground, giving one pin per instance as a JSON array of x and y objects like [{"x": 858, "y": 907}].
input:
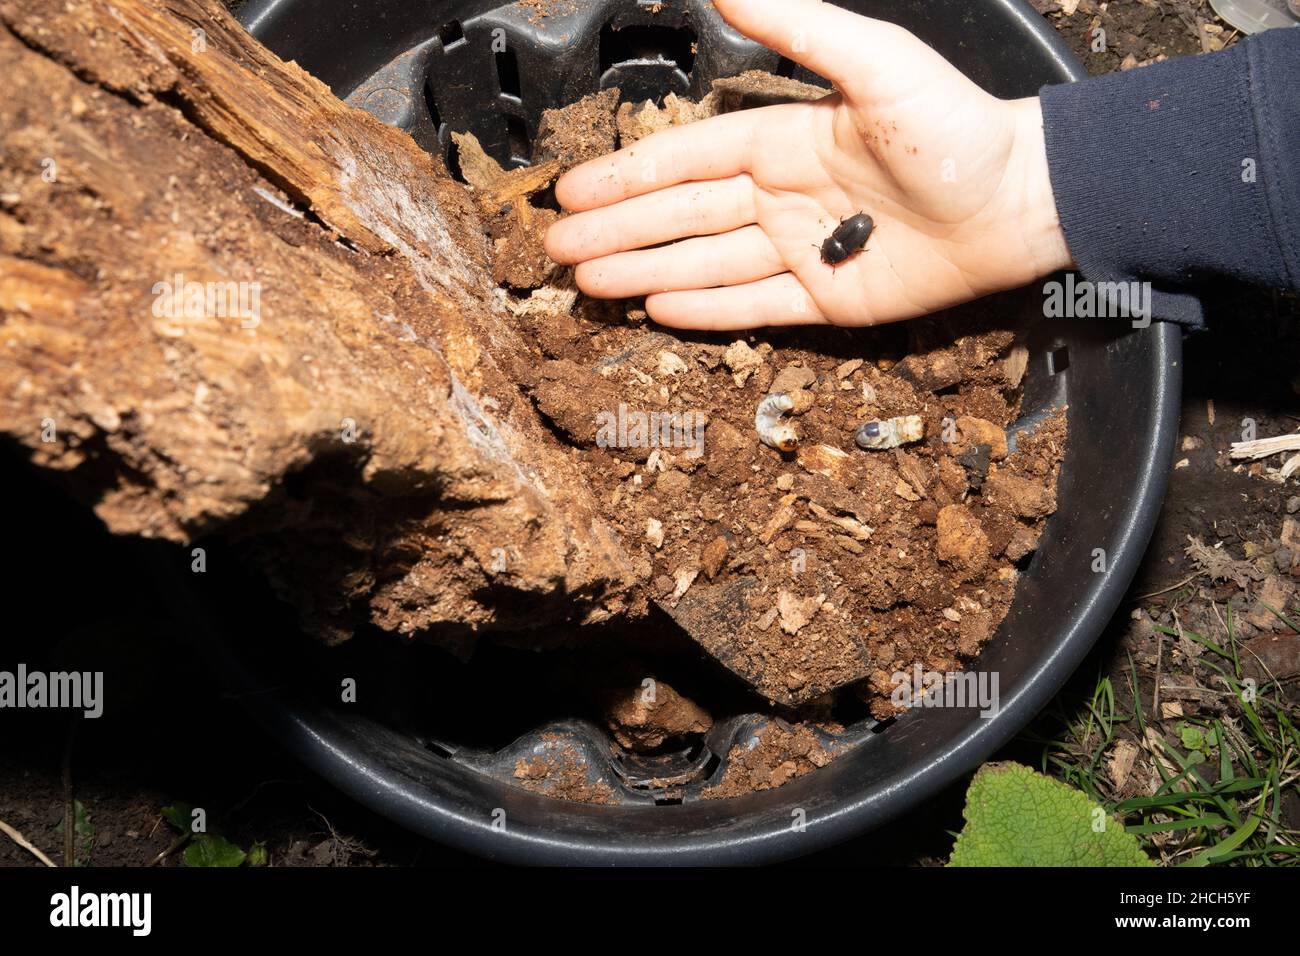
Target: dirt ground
[
  {"x": 185, "y": 740},
  {"x": 1135, "y": 32}
]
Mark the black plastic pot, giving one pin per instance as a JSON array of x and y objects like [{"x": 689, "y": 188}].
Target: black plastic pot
[{"x": 430, "y": 68}]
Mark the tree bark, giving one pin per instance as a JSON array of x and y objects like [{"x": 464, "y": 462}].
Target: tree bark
[{"x": 231, "y": 305}]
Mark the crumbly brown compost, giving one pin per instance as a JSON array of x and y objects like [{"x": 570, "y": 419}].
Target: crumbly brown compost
[
  {"x": 778, "y": 753},
  {"x": 560, "y": 771},
  {"x": 807, "y": 572}
]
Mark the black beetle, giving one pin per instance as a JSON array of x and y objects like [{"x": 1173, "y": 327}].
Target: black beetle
[{"x": 848, "y": 239}]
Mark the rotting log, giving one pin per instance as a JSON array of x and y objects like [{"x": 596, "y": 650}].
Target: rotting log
[{"x": 234, "y": 306}]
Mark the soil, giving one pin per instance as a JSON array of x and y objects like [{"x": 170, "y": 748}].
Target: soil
[
  {"x": 560, "y": 771},
  {"x": 1135, "y": 32},
  {"x": 539, "y": 10},
  {"x": 819, "y": 571},
  {"x": 652, "y": 715},
  {"x": 779, "y": 753}
]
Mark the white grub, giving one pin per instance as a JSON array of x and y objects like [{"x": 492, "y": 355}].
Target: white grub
[
  {"x": 774, "y": 429},
  {"x": 892, "y": 432}
]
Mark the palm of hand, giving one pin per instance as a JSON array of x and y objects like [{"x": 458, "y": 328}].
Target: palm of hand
[
  {"x": 719, "y": 223},
  {"x": 925, "y": 178}
]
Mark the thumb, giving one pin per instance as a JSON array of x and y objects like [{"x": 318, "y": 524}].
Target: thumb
[{"x": 856, "y": 53}]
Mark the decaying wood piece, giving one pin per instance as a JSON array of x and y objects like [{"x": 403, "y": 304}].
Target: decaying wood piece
[
  {"x": 233, "y": 305},
  {"x": 1267, "y": 447}
]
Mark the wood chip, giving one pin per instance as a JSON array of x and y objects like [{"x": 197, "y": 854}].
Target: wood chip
[
  {"x": 824, "y": 460},
  {"x": 1120, "y": 762},
  {"x": 853, "y": 526},
  {"x": 910, "y": 467},
  {"x": 743, "y": 360},
  {"x": 905, "y": 491},
  {"x": 1015, "y": 365},
  {"x": 517, "y": 184},
  {"x": 670, "y": 363},
  {"x": 683, "y": 579},
  {"x": 848, "y": 368},
  {"x": 796, "y": 612},
  {"x": 1273, "y": 596},
  {"x": 481, "y": 170},
  {"x": 715, "y": 552},
  {"x": 1265, "y": 447},
  {"x": 849, "y": 545},
  {"x": 780, "y": 519}
]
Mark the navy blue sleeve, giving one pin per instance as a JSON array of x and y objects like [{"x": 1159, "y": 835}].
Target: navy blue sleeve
[{"x": 1183, "y": 172}]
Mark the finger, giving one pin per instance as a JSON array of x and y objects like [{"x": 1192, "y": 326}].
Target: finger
[
  {"x": 714, "y": 148},
  {"x": 733, "y": 258},
  {"x": 848, "y": 49},
  {"x": 691, "y": 209},
  {"x": 778, "y": 300}
]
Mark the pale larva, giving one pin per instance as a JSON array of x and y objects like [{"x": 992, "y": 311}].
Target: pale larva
[
  {"x": 890, "y": 433},
  {"x": 774, "y": 429}
]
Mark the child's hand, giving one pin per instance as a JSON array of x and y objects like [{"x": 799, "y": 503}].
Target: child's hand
[{"x": 955, "y": 180}]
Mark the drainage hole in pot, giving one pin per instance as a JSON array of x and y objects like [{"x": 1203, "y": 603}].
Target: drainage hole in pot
[
  {"x": 666, "y": 771},
  {"x": 646, "y": 62},
  {"x": 435, "y": 115},
  {"x": 439, "y": 749},
  {"x": 451, "y": 35},
  {"x": 508, "y": 74},
  {"x": 521, "y": 146},
  {"x": 1058, "y": 360},
  {"x": 646, "y": 43},
  {"x": 443, "y": 144}
]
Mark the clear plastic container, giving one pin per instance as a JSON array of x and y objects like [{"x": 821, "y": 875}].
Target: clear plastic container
[{"x": 1254, "y": 16}]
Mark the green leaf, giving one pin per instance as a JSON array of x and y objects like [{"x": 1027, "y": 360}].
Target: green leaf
[
  {"x": 81, "y": 824},
  {"x": 180, "y": 816},
  {"x": 206, "y": 849},
  {"x": 257, "y": 854},
  {"x": 1016, "y": 817},
  {"x": 1192, "y": 736}
]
